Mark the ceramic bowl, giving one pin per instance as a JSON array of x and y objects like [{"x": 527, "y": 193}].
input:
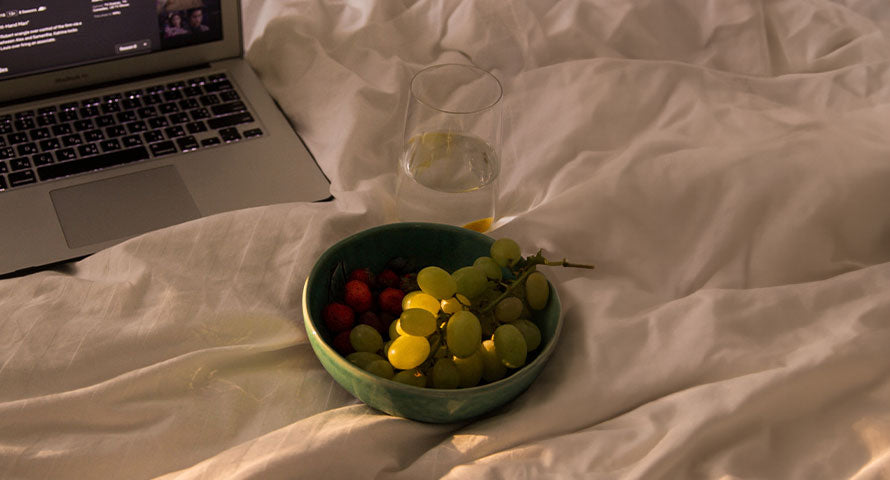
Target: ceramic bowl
[{"x": 427, "y": 244}]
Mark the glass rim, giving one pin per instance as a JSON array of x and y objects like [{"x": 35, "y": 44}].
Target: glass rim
[{"x": 485, "y": 73}]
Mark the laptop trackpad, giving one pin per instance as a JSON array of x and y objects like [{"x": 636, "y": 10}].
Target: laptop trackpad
[{"x": 123, "y": 206}]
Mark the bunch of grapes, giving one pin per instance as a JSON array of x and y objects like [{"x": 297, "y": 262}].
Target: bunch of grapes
[{"x": 441, "y": 329}]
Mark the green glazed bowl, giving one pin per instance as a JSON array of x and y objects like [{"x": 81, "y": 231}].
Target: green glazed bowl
[{"x": 448, "y": 247}]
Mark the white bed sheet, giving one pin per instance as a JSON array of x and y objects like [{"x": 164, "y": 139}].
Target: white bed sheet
[{"x": 726, "y": 165}]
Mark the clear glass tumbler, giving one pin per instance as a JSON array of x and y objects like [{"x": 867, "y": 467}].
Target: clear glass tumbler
[{"x": 450, "y": 164}]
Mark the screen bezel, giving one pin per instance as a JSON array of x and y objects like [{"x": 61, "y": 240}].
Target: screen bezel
[{"x": 110, "y": 71}]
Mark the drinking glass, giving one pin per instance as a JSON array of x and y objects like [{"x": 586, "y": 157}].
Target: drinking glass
[{"x": 449, "y": 166}]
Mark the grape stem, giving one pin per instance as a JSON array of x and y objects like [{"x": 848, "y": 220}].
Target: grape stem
[
  {"x": 564, "y": 263},
  {"x": 527, "y": 266}
]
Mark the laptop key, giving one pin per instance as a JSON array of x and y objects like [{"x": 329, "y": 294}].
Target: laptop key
[
  {"x": 98, "y": 162},
  {"x": 105, "y": 121},
  {"x": 49, "y": 144},
  {"x": 3, "y": 167},
  {"x": 116, "y": 131},
  {"x": 200, "y": 114},
  {"x": 230, "y": 134},
  {"x": 132, "y": 141},
  {"x": 85, "y": 124},
  {"x": 218, "y": 86},
  {"x": 46, "y": 120},
  {"x": 162, "y": 148},
  {"x": 62, "y": 129},
  {"x": 253, "y": 132},
  {"x": 153, "y": 136},
  {"x": 210, "y": 141},
  {"x": 155, "y": 123},
  {"x": 152, "y": 99},
  {"x": 6, "y": 152},
  {"x": 94, "y": 135},
  {"x": 229, "y": 96},
  {"x": 187, "y": 144},
  {"x": 146, "y": 112},
  {"x": 131, "y": 103},
  {"x": 3, "y": 183},
  {"x": 178, "y": 118},
  {"x": 24, "y": 177},
  {"x": 19, "y": 164},
  {"x": 174, "y": 131},
  {"x": 88, "y": 150},
  {"x": 110, "y": 145},
  {"x": 17, "y": 137},
  {"x": 196, "y": 127},
  {"x": 67, "y": 115},
  {"x": 39, "y": 134},
  {"x": 5, "y": 127},
  {"x": 137, "y": 127},
  {"x": 230, "y": 120},
  {"x": 72, "y": 140},
  {"x": 208, "y": 100},
  {"x": 25, "y": 124},
  {"x": 65, "y": 154},
  {"x": 168, "y": 108},
  {"x": 128, "y": 116},
  {"x": 227, "y": 108},
  {"x": 43, "y": 159},
  {"x": 91, "y": 111},
  {"x": 26, "y": 149}
]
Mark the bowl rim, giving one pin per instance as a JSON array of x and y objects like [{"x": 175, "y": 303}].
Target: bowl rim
[{"x": 309, "y": 323}]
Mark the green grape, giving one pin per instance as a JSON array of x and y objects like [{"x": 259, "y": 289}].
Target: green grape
[
  {"x": 455, "y": 304},
  {"x": 436, "y": 282},
  {"x": 505, "y": 252},
  {"x": 470, "y": 368},
  {"x": 445, "y": 374},
  {"x": 419, "y": 299},
  {"x": 492, "y": 367},
  {"x": 381, "y": 368},
  {"x": 508, "y": 309},
  {"x": 417, "y": 321},
  {"x": 510, "y": 345},
  {"x": 408, "y": 351},
  {"x": 470, "y": 281},
  {"x": 362, "y": 359},
  {"x": 411, "y": 377},
  {"x": 491, "y": 268},
  {"x": 365, "y": 338},
  {"x": 537, "y": 290},
  {"x": 530, "y": 332},
  {"x": 463, "y": 333},
  {"x": 394, "y": 330}
]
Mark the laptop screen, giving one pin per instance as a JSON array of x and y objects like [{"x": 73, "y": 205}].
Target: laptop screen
[{"x": 47, "y": 35}]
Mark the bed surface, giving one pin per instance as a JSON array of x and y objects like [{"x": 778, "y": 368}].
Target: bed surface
[{"x": 726, "y": 165}]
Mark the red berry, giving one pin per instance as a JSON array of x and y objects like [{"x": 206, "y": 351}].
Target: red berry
[
  {"x": 372, "y": 319},
  {"x": 390, "y": 300},
  {"x": 388, "y": 278},
  {"x": 363, "y": 274},
  {"x": 338, "y": 317},
  {"x": 342, "y": 344},
  {"x": 358, "y": 295}
]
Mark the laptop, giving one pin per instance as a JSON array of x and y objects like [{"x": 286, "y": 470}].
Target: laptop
[{"x": 119, "y": 117}]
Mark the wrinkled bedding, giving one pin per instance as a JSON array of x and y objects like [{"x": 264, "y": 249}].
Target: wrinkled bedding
[{"x": 726, "y": 166}]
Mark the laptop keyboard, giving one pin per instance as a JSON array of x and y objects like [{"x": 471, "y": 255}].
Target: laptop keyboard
[{"x": 95, "y": 133}]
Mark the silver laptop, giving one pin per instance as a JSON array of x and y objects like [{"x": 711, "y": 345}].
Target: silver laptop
[{"x": 119, "y": 117}]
